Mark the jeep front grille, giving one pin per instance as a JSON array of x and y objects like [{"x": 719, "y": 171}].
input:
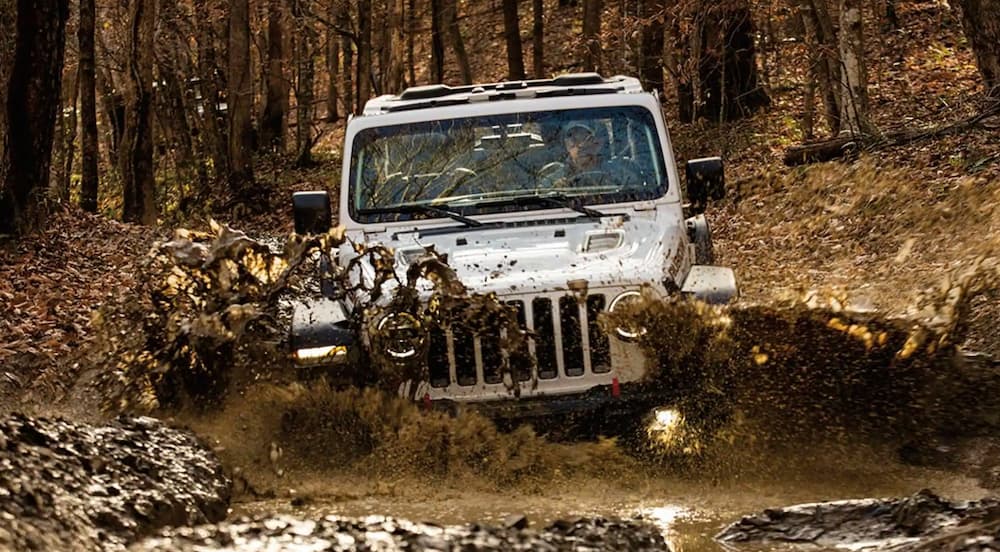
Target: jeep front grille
[{"x": 566, "y": 342}]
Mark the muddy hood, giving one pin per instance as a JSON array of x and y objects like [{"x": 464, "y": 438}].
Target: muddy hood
[{"x": 543, "y": 256}]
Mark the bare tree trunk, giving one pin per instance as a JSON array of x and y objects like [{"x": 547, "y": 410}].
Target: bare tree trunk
[
  {"x": 450, "y": 13},
  {"x": 136, "y": 151},
  {"x": 304, "y": 88},
  {"x": 69, "y": 122},
  {"x": 411, "y": 31},
  {"x": 827, "y": 42},
  {"x": 332, "y": 66},
  {"x": 212, "y": 85},
  {"x": 396, "y": 71},
  {"x": 512, "y": 34},
  {"x": 854, "y": 80},
  {"x": 240, "y": 106},
  {"x": 364, "y": 52},
  {"x": 538, "y": 38},
  {"x": 89, "y": 181},
  {"x": 347, "y": 69},
  {"x": 681, "y": 67},
  {"x": 31, "y": 104},
  {"x": 981, "y": 21},
  {"x": 729, "y": 88},
  {"x": 651, "y": 66},
  {"x": 437, "y": 42},
  {"x": 591, "y": 34},
  {"x": 272, "y": 124}
]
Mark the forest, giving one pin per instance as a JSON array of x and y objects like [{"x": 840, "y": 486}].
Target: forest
[{"x": 147, "y": 112}]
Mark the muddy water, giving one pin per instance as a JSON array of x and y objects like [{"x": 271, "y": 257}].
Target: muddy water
[{"x": 688, "y": 509}]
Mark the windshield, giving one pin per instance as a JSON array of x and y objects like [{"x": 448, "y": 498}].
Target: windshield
[{"x": 471, "y": 165}]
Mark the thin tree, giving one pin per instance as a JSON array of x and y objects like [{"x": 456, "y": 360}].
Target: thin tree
[
  {"x": 332, "y": 66},
  {"x": 31, "y": 101},
  {"x": 450, "y": 14},
  {"x": 211, "y": 86},
  {"x": 136, "y": 150},
  {"x": 538, "y": 38},
  {"x": 347, "y": 51},
  {"x": 70, "y": 119},
  {"x": 854, "y": 79},
  {"x": 512, "y": 35},
  {"x": 364, "y": 83},
  {"x": 273, "y": 120},
  {"x": 437, "y": 41},
  {"x": 651, "y": 58},
  {"x": 89, "y": 149},
  {"x": 411, "y": 32},
  {"x": 395, "y": 70},
  {"x": 305, "y": 73},
  {"x": 981, "y": 21},
  {"x": 591, "y": 34},
  {"x": 239, "y": 99},
  {"x": 824, "y": 57}
]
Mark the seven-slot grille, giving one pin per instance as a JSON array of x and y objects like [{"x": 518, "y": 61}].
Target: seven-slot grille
[{"x": 566, "y": 342}]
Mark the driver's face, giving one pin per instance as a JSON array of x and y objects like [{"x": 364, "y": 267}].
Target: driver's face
[{"x": 584, "y": 148}]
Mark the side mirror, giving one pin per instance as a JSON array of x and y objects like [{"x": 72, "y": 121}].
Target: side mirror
[
  {"x": 705, "y": 180},
  {"x": 312, "y": 212}
]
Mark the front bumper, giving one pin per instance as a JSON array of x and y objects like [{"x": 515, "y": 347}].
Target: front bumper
[{"x": 630, "y": 399}]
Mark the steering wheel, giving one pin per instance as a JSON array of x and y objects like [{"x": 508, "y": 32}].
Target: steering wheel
[{"x": 550, "y": 172}]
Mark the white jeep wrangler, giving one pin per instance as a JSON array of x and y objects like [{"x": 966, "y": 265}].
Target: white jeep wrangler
[{"x": 560, "y": 196}]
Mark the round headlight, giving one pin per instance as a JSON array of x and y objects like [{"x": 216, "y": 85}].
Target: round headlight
[
  {"x": 400, "y": 334},
  {"x": 628, "y": 330}
]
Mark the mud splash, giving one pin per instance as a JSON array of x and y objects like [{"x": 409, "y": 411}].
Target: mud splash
[{"x": 743, "y": 377}]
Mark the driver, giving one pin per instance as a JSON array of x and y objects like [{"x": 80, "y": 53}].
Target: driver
[
  {"x": 585, "y": 148},
  {"x": 588, "y": 161}
]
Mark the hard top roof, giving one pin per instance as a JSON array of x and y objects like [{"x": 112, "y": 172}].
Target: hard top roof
[{"x": 439, "y": 95}]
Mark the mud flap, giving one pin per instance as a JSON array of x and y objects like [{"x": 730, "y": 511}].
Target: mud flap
[{"x": 711, "y": 284}]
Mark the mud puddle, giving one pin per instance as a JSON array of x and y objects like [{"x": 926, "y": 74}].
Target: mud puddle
[{"x": 688, "y": 509}]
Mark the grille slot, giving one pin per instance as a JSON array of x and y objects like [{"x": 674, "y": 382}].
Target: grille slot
[
  {"x": 600, "y": 348},
  {"x": 438, "y": 365},
  {"x": 521, "y": 362},
  {"x": 545, "y": 337},
  {"x": 465, "y": 356},
  {"x": 572, "y": 335},
  {"x": 492, "y": 357}
]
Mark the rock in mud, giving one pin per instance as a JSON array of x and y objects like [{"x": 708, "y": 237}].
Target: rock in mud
[
  {"x": 388, "y": 534},
  {"x": 922, "y": 521},
  {"x": 73, "y": 486}
]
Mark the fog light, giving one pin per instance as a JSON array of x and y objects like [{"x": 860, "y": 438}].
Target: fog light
[
  {"x": 666, "y": 426},
  {"x": 401, "y": 335},
  {"x": 629, "y": 330},
  {"x": 313, "y": 355}
]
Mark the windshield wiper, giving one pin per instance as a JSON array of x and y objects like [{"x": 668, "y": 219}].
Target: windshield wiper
[
  {"x": 552, "y": 200},
  {"x": 422, "y": 209}
]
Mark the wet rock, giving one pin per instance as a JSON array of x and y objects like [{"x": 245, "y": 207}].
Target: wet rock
[
  {"x": 898, "y": 523},
  {"x": 516, "y": 521},
  {"x": 382, "y": 533},
  {"x": 72, "y": 486}
]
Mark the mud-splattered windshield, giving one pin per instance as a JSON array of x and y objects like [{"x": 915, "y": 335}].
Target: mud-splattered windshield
[{"x": 477, "y": 165}]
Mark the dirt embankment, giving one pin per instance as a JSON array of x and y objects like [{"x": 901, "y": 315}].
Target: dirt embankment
[
  {"x": 74, "y": 486},
  {"x": 922, "y": 521}
]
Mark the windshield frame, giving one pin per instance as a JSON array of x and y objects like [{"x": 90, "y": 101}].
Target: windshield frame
[{"x": 660, "y": 152}]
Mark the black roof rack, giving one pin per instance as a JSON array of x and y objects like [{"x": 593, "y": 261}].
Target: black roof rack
[{"x": 440, "y": 90}]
